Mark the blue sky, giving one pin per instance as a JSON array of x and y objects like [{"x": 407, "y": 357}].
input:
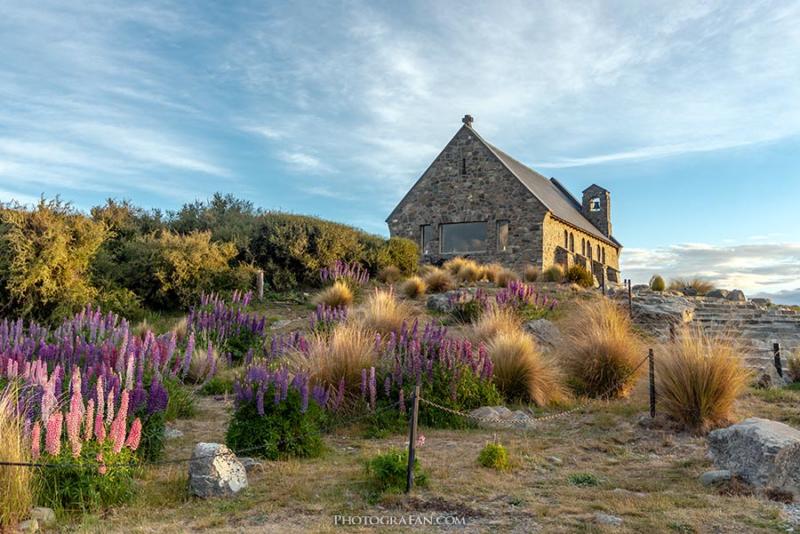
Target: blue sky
[{"x": 687, "y": 112}]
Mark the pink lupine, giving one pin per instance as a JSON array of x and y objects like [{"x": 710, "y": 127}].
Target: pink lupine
[
  {"x": 88, "y": 421},
  {"x": 49, "y": 398},
  {"x": 100, "y": 396},
  {"x": 129, "y": 373},
  {"x": 110, "y": 407},
  {"x": 74, "y": 432},
  {"x": 134, "y": 435},
  {"x": 52, "y": 442},
  {"x": 99, "y": 427},
  {"x": 36, "y": 440},
  {"x": 117, "y": 434},
  {"x": 123, "y": 405}
]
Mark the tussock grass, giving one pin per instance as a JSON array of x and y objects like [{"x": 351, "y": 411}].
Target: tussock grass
[
  {"x": 340, "y": 355},
  {"x": 469, "y": 272},
  {"x": 489, "y": 271},
  {"x": 390, "y": 274},
  {"x": 16, "y": 483},
  {"x": 413, "y": 287},
  {"x": 181, "y": 328},
  {"x": 600, "y": 350},
  {"x": 698, "y": 284},
  {"x": 504, "y": 277},
  {"x": 531, "y": 273},
  {"x": 698, "y": 379},
  {"x": 383, "y": 313},
  {"x": 495, "y": 321},
  {"x": 339, "y": 294},
  {"x": 202, "y": 362},
  {"x": 554, "y": 273},
  {"x": 438, "y": 280},
  {"x": 453, "y": 265},
  {"x": 522, "y": 372}
]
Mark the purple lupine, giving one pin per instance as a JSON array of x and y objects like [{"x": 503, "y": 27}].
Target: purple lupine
[
  {"x": 373, "y": 390},
  {"x": 187, "y": 357},
  {"x": 363, "y": 383}
]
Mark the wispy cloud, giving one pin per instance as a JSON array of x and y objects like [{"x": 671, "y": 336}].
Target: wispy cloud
[{"x": 303, "y": 162}]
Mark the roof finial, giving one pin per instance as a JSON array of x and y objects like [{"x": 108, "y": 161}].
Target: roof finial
[{"x": 467, "y": 120}]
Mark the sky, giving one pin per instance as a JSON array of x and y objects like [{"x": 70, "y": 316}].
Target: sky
[{"x": 688, "y": 112}]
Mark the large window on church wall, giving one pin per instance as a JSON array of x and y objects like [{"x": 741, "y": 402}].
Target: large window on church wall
[
  {"x": 459, "y": 238},
  {"x": 425, "y": 238},
  {"x": 571, "y": 242},
  {"x": 502, "y": 236}
]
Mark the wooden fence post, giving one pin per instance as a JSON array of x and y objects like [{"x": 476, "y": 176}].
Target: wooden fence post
[
  {"x": 651, "y": 358},
  {"x": 412, "y": 440},
  {"x": 260, "y": 284},
  {"x": 776, "y": 351}
]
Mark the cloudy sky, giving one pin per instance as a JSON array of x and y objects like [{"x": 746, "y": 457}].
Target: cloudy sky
[{"x": 689, "y": 112}]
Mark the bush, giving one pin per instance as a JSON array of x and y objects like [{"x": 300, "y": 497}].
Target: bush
[
  {"x": 495, "y": 321},
  {"x": 181, "y": 403},
  {"x": 284, "y": 430},
  {"x": 401, "y": 253},
  {"x": 439, "y": 281},
  {"x": 554, "y": 273},
  {"x": 122, "y": 302},
  {"x": 599, "y": 351},
  {"x": 793, "y": 368},
  {"x": 337, "y": 295},
  {"x": 505, "y": 277},
  {"x": 413, "y": 287},
  {"x": 466, "y": 308},
  {"x": 229, "y": 219},
  {"x": 218, "y": 385},
  {"x": 698, "y": 378},
  {"x": 578, "y": 274},
  {"x": 584, "y": 479},
  {"x": 490, "y": 271},
  {"x": 151, "y": 446},
  {"x": 383, "y": 313},
  {"x": 469, "y": 272},
  {"x": 494, "y": 456},
  {"x": 16, "y": 483},
  {"x": 701, "y": 286},
  {"x": 386, "y": 473},
  {"x": 521, "y": 372},
  {"x": 46, "y": 259},
  {"x": 293, "y": 248},
  {"x": 341, "y": 356},
  {"x": 531, "y": 273},
  {"x": 657, "y": 283},
  {"x": 390, "y": 274},
  {"x": 453, "y": 265}
]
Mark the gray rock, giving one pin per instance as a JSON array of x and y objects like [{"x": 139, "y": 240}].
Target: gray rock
[
  {"x": 662, "y": 309},
  {"x": 763, "y": 453},
  {"x": 250, "y": 463},
  {"x": 214, "y": 471},
  {"x": 714, "y": 478},
  {"x": 689, "y": 291},
  {"x": 545, "y": 332},
  {"x": 31, "y": 525},
  {"x": 45, "y": 516},
  {"x": 281, "y": 323},
  {"x": 718, "y": 294},
  {"x": 761, "y": 301},
  {"x": 484, "y": 412},
  {"x": 640, "y": 287},
  {"x": 737, "y": 295},
  {"x": 502, "y": 411},
  {"x": 607, "y": 519},
  {"x": 172, "y": 433},
  {"x": 439, "y": 302}
]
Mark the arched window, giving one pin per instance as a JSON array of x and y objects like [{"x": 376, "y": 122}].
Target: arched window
[
  {"x": 589, "y": 250},
  {"x": 604, "y": 254},
  {"x": 571, "y": 242},
  {"x": 598, "y": 252},
  {"x": 583, "y": 247},
  {"x": 566, "y": 239}
]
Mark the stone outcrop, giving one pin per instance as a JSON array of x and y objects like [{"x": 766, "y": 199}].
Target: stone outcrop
[
  {"x": 214, "y": 471},
  {"x": 761, "y": 452},
  {"x": 545, "y": 332},
  {"x": 661, "y": 312}
]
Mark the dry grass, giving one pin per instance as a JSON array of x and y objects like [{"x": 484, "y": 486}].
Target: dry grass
[
  {"x": 390, "y": 274},
  {"x": 522, "y": 372},
  {"x": 600, "y": 350},
  {"x": 490, "y": 271},
  {"x": 698, "y": 284},
  {"x": 531, "y": 273},
  {"x": 698, "y": 379},
  {"x": 453, "y": 265},
  {"x": 340, "y": 355},
  {"x": 413, "y": 287},
  {"x": 495, "y": 321},
  {"x": 383, "y": 313},
  {"x": 469, "y": 272},
  {"x": 201, "y": 364},
  {"x": 504, "y": 277},
  {"x": 438, "y": 280},
  {"x": 181, "y": 328},
  {"x": 554, "y": 273},
  {"x": 16, "y": 483},
  {"x": 339, "y": 294}
]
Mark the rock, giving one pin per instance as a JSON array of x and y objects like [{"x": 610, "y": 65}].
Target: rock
[
  {"x": 607, "y": 519},
  {"x": 555, "y": 460},
  {"x": 439, "y": 302},
  {"x": 714, "y": 478},
  {"x": 502, "y": 411},
  {"x": 31, "y": 525},
  {"x": 45, "y": 516},
  {"x": 640, "y": 287},
  {"x": 718, "y": 294},
  {"x": 761, "y": 301},
  {"x": 214, "y": 471},
  {"x": 484, "y": 412},
  {"x": 546, "y": 333},
  {"x": 663, "y": 310},
  {"x": 761, "y": 452},
  {"x": 281, "y": 323},
  {"x": 250, "y": 463},
  {"x": 737, "y": 295},
  {"x": 172, "y": 433},
  {"x": 628, "y": 493},
  {"x": 689, "y": 291}
]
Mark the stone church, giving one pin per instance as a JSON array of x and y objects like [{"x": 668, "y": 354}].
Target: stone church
[{"x": 477, "y": 201}]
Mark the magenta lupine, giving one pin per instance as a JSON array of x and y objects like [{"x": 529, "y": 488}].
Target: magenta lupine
[
  {"x": 134, "y": 435},
  {"x": 52, "y": 440},
  {"x": 36, "y": 440}
]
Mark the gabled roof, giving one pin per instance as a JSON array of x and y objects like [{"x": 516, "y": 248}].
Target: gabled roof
[{"x": 550, "y": 192}]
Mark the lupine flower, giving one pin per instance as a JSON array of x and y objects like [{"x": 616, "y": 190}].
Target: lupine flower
[
  {"x": 134, "y": 435},
  {"x": 74, "y": 432},
  {"x": 88, "y": 423},
  {"x": 99, "y": 427},
  {"x": 110, "y": 407},
  {"x": 373, "y": 393},
  {"x": 36, "y": 440},
  {"x": 52, "y": 441}
]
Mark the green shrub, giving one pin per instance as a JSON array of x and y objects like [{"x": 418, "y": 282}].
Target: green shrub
[
  {"x": 387, "y": 473},
  {"x": 123, "y": 302},
  {"x": 46, "y": 259},
  {"x": 218, "y": 385},
  {"x": 494, "y": 456},
  {"x": 79, "y": 486},
  {"x": 553, "y": 273},
  {"x": 283, "y": 431},
  {"x": 151, "y": 446},
  {"x": 657, "y": 283},
  {"x": 578, "y": 274},
  {"x": 229, "y": 219},
  {"x": 181, "y": 403},
  {"x": 401, "y": 253},
  {"x": 584, "y": 479},
  {"x": 383, "y": 422},
  {"x": 469, "y": 393}
]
